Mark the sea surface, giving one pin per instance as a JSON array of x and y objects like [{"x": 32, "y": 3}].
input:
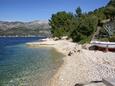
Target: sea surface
[{"x": 24, "y": 66}]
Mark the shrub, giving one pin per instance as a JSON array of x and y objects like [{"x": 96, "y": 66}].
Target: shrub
[{"x": 112, "y": 39}]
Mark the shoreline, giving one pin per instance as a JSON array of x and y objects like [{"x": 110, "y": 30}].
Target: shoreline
[{"x": 82, "y": 66}]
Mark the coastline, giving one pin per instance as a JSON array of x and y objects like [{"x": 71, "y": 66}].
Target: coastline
[{"x": 82, "y": 66}]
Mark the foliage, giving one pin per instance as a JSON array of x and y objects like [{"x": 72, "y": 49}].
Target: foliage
[
  {"x": 100, "y": 13},
  {"x": 110, "y": 9},
  {"x": 85, "y": 29},
  {"x": 79, "y": 26},
  {"x": 78, "y": 12},
  {"x": 60, "y": 23},
  {"x": 112, "y": 39},
  {"x": 103, "y": 39}
]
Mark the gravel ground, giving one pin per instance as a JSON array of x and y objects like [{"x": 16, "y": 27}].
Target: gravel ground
[
  {"x": 80, "y": 65},
  {"x": 83, "y": 66}
]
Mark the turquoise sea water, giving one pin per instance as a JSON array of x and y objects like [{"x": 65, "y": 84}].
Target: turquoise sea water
[{"x": 24, "y": 66}]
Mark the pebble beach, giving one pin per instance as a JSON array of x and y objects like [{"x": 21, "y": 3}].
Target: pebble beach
[{"x": 80, "y": 65}]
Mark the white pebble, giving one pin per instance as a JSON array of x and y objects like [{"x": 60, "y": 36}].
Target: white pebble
[{"x": 62, "y": 79}]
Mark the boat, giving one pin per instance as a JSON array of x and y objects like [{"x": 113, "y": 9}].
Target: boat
[{"x": 103, "y": 46}]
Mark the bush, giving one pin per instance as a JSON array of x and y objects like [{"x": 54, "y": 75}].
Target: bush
[
  {"x": 104, "y": 39},
  {"x": 112, "y": 39}
]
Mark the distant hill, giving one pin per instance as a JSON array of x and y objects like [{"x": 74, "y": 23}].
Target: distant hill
[{"x": 36, "y": 28}]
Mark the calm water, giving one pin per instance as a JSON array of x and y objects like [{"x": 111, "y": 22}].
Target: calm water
[{"x": 24, "y": 66}]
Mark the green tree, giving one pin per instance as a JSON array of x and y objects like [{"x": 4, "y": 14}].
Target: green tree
[
  {"x": 60, "y": 23},
  {"x": 110, "y": 9},
  {"x": 80, "y": 26},
  {"x": 78, "y": 12},
  {"x": 100, "y": 13},
  {"x": 85, "y": 28}
]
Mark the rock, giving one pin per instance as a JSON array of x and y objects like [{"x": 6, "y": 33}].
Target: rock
[
  {"x": 78, "y": 84},
  {"x": 70, "y": 53},
  {"x": 79, "y": 51}
]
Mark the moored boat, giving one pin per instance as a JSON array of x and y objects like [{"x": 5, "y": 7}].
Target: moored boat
[{"x": 104, "y": 46}]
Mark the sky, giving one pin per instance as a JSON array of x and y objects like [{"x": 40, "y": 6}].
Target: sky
[{"x": 28, "y": 10}]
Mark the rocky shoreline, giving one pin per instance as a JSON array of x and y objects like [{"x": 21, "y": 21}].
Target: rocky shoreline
[{"x": 81, "y": 65}]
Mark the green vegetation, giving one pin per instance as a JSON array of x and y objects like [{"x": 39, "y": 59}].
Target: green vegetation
[
  {"x": 110, "y": 9},
  {"x": 104, "y": 39},
  {"x": 112, "y": 39},
  {"x": 61, "y": 24},
  {"x": 80, "y": 26},
  {"x": 86, "y": 25}
]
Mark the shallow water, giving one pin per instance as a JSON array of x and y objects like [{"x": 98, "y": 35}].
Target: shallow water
[{"x": 24, "y": 66}]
